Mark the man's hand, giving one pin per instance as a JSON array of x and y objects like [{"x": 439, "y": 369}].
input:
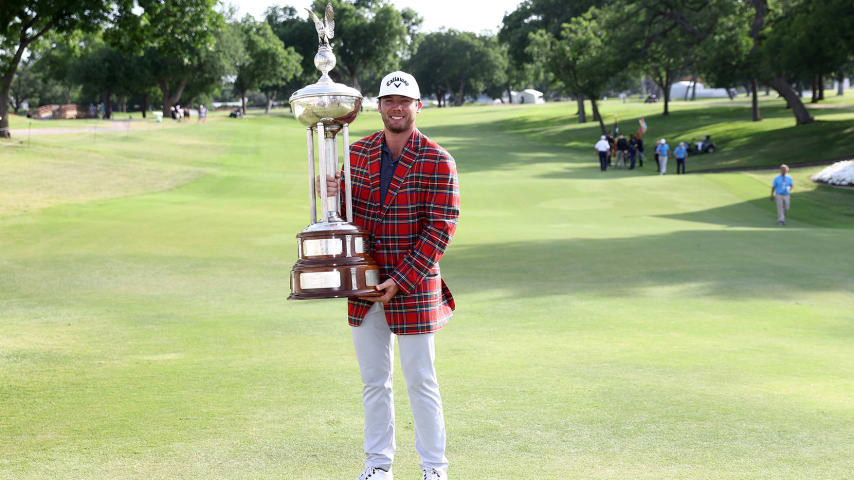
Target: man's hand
[
  {"x": 389, "y": 289},
  {"x": 331, "y": 184}
]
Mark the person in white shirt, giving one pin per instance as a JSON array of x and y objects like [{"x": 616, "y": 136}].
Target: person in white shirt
[{"x": 602, "y": 147}]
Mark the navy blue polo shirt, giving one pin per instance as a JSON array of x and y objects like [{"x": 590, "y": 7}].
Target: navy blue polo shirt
[{"x": 387, "y": 166}]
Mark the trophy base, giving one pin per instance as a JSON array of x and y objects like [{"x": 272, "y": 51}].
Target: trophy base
[
  {"x": 334, "y": 281},
  {"x": 334, "y": 263}
]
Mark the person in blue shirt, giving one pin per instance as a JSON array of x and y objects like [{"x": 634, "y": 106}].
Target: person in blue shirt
[
  {"x": 680, "y": 153},
  {"x": 780, "y": 189},
  {"x": 663, "y": 149}
]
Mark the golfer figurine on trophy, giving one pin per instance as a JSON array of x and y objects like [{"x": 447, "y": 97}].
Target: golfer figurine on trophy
[{"x": 333, "y": 252}]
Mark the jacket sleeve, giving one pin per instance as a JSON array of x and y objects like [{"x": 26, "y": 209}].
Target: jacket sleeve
[{"x": 442, "y": 210}]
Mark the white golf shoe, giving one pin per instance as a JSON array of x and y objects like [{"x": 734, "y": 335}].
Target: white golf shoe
[
  {"x": 374, "y": 473},
  {"x": 433, "y": 474}
]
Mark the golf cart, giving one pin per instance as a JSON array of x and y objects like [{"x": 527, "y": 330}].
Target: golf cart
[{"x": 706, "y": 145}]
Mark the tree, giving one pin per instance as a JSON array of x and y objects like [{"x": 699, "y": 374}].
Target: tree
[
  {"x": 584, "y": 58},
  {"x": 370, "y": 36},
  {"x": 296, "y": 32},
  {"x": 100, "y": 70},
  {"x": 266, "y": 64},
  {"x": 179, "y": 39},
  {"x": 665, "y": 35},
  {"x": 24, "y": 86},
  {"x": 22, "y": 22},
  {"x": 458, "y": 63},
  {"x": 518, "y": 26},
  {"x": 427, "y": 65}
]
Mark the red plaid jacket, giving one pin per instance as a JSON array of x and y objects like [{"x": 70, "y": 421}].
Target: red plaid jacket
[{"x": 410, "y": 231}]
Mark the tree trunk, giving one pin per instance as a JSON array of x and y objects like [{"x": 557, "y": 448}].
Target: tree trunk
[
  {"x": 458, "y": 100},
  {"x": 814, "y": 98},
  {"x": 4, "y": 109},
  {"x": 243, "y": 102},
  {"x": 694, "y": 89},
  {"x": 666, "y": 88},
  {"x": 271, "y": 95},
  {"x": 820, "y": 86},
  {"x": 582, "y": 117},
  {"x": 5, "y": 87},
  {"x": 510, "y": 94},
  {"x": 108, "y": 104},
  {"x": 170, "y": 99},
  {"x": 784, "y": 88},
  {"x": 144, "y": 105},
  {"x": 754, "y": 86},
  {"x": 596, "y": 115},
  {"x": 840, "y": 87}
]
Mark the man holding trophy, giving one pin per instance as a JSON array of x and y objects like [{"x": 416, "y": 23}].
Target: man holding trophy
[{"x": 405, "y": 193}]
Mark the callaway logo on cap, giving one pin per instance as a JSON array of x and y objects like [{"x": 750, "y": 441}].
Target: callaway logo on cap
[{"x": 399, "y": 83}]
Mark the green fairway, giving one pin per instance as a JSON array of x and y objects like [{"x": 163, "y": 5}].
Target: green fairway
[{"x": 614, "y": 325}]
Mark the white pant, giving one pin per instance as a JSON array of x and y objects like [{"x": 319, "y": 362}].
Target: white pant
[
  {"x": 374, "y": 344},
  {"x": 662, "y": 162},
  {"x": 782, "y": 207}
]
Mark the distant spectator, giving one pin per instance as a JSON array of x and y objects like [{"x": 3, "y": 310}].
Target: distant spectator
[
  {"x": 639, "y": 142},
  {"x": 663, "y": 150},
  {"x": 680, "y": 152},
  {"x": 633, "y": 150},
  {"x": 91, "y": 111},
  {"x": 602, "y": 148},
  {"x": 203, "y": 113},
  {"x": 622, "y": 150},
  {"x": 781, "y": 187},
  {"x": 655, "y": 155}
]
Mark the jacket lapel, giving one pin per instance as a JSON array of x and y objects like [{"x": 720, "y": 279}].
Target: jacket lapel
[
  {"x": 374, "y": 160},
  {"x": 407, "y": 160}
]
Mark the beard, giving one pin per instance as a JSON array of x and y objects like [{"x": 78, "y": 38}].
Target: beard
[{"x": 400, "y": 127}]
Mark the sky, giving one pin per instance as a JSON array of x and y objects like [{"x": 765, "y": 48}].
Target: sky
[{"x": 464, "y": 15}]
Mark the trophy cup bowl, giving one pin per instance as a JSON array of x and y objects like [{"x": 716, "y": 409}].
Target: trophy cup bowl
[{"x": 334, "y": 258}]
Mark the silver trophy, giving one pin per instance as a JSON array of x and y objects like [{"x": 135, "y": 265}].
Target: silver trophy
[{"x": 334, "y": 259}]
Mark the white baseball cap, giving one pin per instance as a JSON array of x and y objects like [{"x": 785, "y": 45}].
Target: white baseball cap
[
  {"x": 662, "y": 141},
  {"x": 399, "y": 83}
]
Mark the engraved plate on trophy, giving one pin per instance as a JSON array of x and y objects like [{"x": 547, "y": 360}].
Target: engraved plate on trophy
[
  {"x": 372, "y": 278},
  {"x": 314, "y": 280},
  {"x": 322, "y": 246}
]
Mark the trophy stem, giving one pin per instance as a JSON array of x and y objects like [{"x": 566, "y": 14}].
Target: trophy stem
[
  {"x": 348, "y": 187},
  {"x": 311, "y": 195},
  {"x": 323, "y": 170},
  {"x": 332, "y": 203}
]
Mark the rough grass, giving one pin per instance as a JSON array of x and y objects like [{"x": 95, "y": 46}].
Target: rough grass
[{"x": 612, "y": 326}]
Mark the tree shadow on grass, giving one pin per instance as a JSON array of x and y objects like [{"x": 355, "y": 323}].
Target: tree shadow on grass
[
  {"x": 730, "y": 264},
  {"x": 811, "y": 208},
  {"x": 482, "y": 147}
]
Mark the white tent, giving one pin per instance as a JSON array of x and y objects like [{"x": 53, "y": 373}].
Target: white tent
[
  {"x": 529, "y": 95},
  {"x": 677, "y": 91}
]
